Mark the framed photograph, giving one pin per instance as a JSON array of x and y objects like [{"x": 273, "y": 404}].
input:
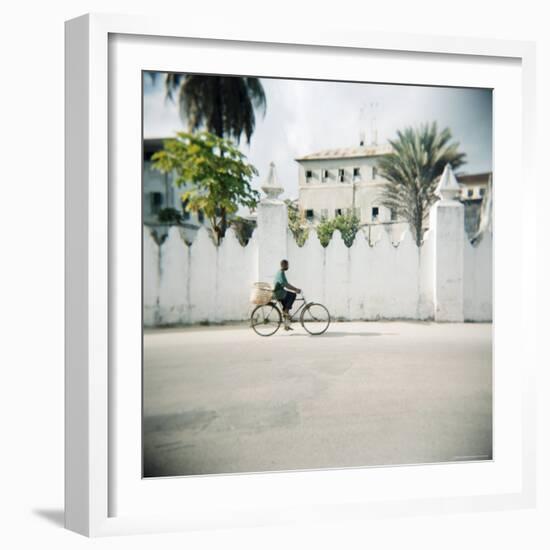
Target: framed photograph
[{"x": 289, "y": 295}]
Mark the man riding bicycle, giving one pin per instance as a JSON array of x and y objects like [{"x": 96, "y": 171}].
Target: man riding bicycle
[{"x": 280, "y": 286}]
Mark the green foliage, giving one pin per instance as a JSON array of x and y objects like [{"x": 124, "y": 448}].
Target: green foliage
[
  {"x": 223, "y": 105},
  {"x": 347, "y": 224},
  {"x": 325, "y": 229},
  {"x": 216, "y": 173},
  {"x": 170, "y": 215},
  {"x": 295, "y": 223},
  {"x": 243, "y": 228},
  {"x": 412, "y": 170}
]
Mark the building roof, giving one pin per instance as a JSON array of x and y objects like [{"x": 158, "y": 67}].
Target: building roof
[
  {"x": 474, "y": 178},
  {"x": 348, "y": 152}
]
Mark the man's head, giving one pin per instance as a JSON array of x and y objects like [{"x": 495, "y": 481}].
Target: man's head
[{"x": 284, "y": 265}]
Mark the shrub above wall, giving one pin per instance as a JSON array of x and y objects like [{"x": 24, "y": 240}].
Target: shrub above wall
[{"x": 202, "y": 282}]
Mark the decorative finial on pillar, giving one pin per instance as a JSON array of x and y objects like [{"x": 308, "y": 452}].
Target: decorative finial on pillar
[
  {"x": 271, "y": 187},
  {"x": 448, "y": 187}
]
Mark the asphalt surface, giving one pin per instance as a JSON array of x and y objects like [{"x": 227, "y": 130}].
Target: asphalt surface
[{"x": 224, "y": 400}]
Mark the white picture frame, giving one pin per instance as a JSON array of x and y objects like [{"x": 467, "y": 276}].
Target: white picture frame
[{"x": 92, "y": 473}]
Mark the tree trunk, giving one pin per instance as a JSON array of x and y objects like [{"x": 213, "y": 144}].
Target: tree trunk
[
  {"x": 219, "y": 131},
  {"x": 418, "y": 226},
  {"x": 217, "y": 236},
  {"x": 223, "y": 224},
  {"x": 218, "y": 113}
]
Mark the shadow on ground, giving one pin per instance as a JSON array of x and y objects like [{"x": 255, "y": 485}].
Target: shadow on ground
[
  {"x": 56, "y": 517},
  {"x": 330, "y": 334}
]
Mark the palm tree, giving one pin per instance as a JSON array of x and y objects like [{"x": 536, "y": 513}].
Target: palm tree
[
  {"x": 412, "y": 170},
  {"x": 223, "y": 105}
]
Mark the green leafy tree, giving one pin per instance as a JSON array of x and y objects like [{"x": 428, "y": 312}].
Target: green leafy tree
[
  {"x": 412, "y": 169},
  {"x": 347, "y": 224},
  {"x": 219, "y": 175},
  {"x": 296, "y": 224},
  {"x": 223, "y": 105}
]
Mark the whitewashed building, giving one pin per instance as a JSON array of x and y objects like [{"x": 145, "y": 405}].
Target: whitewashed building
[
  {"x": 473, "y": 190},
  {"x": 335, "y": 181},
  {"x": 160, "y": 192},
  {"x": 473, "y": 186},
  {"x": 339, "y": 181}
]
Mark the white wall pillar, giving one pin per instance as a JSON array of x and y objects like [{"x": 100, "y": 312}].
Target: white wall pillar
[
  {"x": 447, "y": 226},
  {"x": 272, "y": 229}
]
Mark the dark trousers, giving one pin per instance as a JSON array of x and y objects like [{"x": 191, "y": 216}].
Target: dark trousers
[{"x": 288, "y": 300}]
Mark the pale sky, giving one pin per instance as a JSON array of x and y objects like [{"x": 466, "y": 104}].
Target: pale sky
[{"x": 303, "y": 117}]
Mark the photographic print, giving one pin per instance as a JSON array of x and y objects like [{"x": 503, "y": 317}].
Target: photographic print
[{"x": 317, "y": 274}]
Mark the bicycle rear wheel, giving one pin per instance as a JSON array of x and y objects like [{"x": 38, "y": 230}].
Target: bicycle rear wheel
[
  {"x": 266, "y": 319},
  {"x": 315, "y": 318}
]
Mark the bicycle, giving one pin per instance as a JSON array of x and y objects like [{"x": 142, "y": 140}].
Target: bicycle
[{"x": 266, "y": 319}]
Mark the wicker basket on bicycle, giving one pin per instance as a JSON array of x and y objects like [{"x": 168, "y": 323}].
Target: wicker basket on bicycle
[{"x": 261, "y": 293}]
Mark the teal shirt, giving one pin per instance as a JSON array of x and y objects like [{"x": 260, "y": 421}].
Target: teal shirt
[{"x": 279, "y": 285}]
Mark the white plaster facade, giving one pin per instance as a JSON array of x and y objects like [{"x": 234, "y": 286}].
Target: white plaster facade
[
  {"x": 474, "y": 186},
  {"x": 337, "y": 181},
  {"x": 160, "y": 191}
]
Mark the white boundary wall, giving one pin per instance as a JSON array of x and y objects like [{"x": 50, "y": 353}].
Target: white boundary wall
[
  {"x": 199, "y": 283},
  {"x": 478, "y": 280},
  {"x": 202, "y": 283}
]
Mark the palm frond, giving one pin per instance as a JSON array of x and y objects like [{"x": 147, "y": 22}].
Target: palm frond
[
  {"x": 412, "y": 170},
  {"x": 223, "y": 105}
]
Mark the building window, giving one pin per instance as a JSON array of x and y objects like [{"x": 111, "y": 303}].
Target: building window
[
  {"x": 341, "y": 176},
  {"x": 200, "y": 216},
  {"x": 375, "y": 213},
  {"x": 481, "y": 191},
  {"x": 374, "y": 172},
  {"x": 309, "y": 175},
  {"x": 356, "y": 173},
  {"x": 393, "y": 215},
  {"x": 470, "y": 193},
  {"x": 156, "y": 202},
  {"x": 309, "y": 214},
  {"x": 338, "y": 212},
  {"x": 185, "y": 213},
  {"x": 324, "y": 175}
]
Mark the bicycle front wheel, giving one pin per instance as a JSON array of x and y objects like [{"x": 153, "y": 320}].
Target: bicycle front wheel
[
  {"x": 315, "y": 318},
  {"x": 266, "y": 319}
]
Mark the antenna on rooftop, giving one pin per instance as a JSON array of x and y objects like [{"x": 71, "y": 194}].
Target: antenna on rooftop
[
  {"x": 362, "y": 137},
  {"x": 374, "y": 130}
]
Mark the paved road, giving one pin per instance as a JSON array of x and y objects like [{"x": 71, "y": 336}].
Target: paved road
[{"x": 224, "y": 400}]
